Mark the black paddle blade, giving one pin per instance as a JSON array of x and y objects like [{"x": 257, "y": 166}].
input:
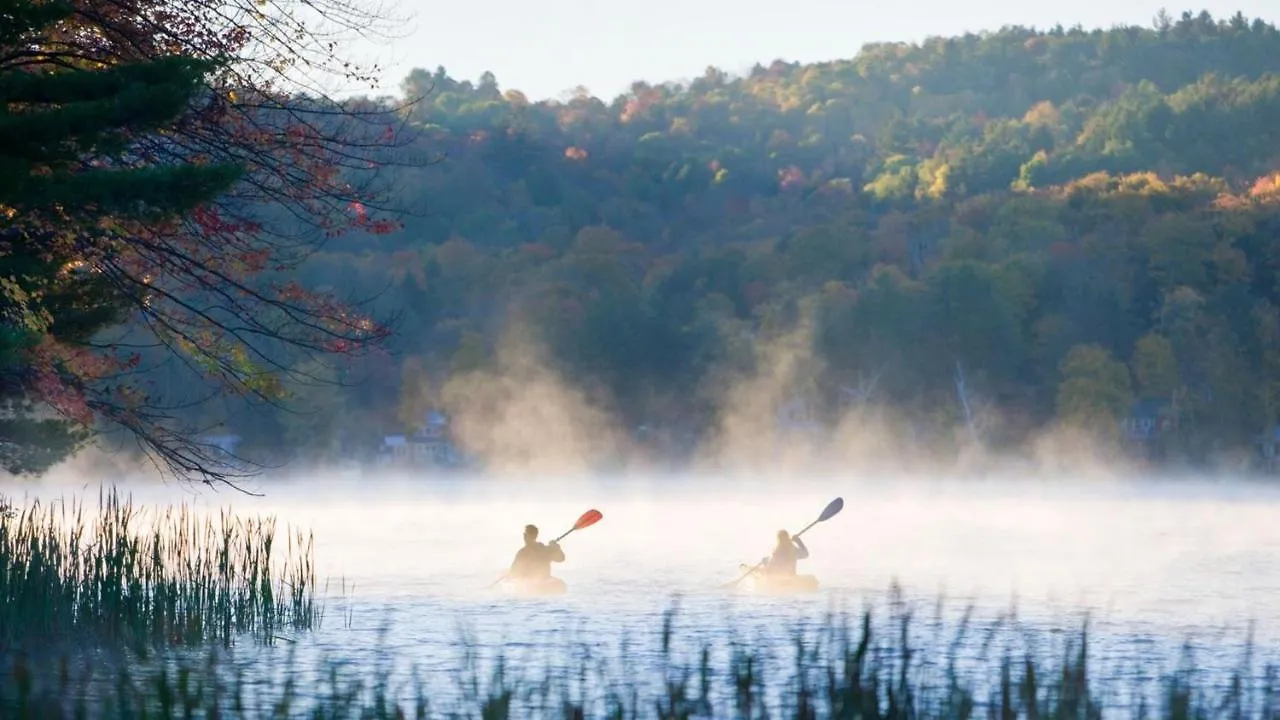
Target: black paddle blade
[{"x": 831, "y": 510}]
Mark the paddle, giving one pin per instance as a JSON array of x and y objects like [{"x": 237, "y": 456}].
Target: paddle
[
  {"x": 589, "y": 518},
  {"x": 831, "y": 510}
]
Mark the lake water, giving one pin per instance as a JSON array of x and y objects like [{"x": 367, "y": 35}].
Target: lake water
[{"x": 1153, "y": 560}]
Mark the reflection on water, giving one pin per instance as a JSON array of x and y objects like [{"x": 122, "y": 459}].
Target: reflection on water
[{"x": 1149, "y": 559}]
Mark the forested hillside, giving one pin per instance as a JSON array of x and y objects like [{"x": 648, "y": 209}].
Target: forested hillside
[{"x": 1073, "y": 221}]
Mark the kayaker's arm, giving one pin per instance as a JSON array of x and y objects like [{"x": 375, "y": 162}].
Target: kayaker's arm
[
  {"x": 555, "y": 552},
  {"x": 802, "y": 552}
]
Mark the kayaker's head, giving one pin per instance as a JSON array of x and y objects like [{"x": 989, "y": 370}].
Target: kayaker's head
[
  {"x": 783, "y": 537},
  {"x": 530, "y": 534}
]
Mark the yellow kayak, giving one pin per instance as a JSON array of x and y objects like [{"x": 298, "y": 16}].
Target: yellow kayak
[
  {"x": 533, "y": 587},
  {"x": 763, "y": 584}
]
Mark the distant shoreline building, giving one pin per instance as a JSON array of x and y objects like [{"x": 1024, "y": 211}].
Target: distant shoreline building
[
  {"x": 429, "y": 446},
  {"x": 1148, "y": 427}
]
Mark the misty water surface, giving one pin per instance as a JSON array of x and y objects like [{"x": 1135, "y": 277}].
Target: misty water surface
[{"x": 1152, "y": 560}]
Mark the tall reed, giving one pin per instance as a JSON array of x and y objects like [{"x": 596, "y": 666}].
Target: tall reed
[
  {"x": 126, "y": 575},
  {"x": 860, "y": 671}
]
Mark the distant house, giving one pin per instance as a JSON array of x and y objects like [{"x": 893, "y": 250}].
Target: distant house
[
  {"x": 1147, "y": 419},
  {"x": 430, "y": 445},
  {"x": 436, "y": 426},
  {"x": 1148, "y": 422}
]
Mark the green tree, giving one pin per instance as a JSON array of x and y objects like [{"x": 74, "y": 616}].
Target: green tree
[
  {"x": 1155, "y": 367},
  {"x": 975, "y": 318},
  {"x": 880, "y": 332},
  {"x": 472, "y": 354},
  {"x": 1095, "y": 391},
  {"x": 314, "y": 420},
  {"x": 417, "y": 395},
  {"x": 69, "y": 190}
]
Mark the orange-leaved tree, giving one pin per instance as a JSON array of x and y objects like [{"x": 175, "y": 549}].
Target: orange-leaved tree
[{"x": 186, "y": 269}]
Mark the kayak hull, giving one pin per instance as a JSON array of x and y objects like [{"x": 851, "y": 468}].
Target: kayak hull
[
  {"x": 534, "y": 587},
  {"x": 762, "y": 584}
]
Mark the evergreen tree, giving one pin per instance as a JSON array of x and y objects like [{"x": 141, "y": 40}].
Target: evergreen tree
[{"x": 71, "y": 185}]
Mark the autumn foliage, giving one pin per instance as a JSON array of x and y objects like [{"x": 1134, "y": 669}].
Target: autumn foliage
[
  {"x": 1054, "y": 212},
  {"x": 258, "y": 173}
]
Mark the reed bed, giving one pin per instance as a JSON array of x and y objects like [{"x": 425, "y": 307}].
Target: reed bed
[
  {"x": 126, "y": 575},
  {"x": 864, "y": 670}
]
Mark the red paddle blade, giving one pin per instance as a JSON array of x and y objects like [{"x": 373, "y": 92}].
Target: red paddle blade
[{"x": 589, "y": 518}]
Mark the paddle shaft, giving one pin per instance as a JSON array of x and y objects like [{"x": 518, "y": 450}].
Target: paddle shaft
[{"x": 806, "y": 529}]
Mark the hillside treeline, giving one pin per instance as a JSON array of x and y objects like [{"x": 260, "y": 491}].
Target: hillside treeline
[{"x": 1066, "y": 223}]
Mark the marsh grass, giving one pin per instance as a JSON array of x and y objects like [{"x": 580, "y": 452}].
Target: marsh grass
[
  {"x": 124, "y": 576},
  {"x": 869, "y": 669}
]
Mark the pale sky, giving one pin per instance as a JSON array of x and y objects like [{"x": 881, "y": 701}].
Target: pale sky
[{"x": 545, "y": 48}]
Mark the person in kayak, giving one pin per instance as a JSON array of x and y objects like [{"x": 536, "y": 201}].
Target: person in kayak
[
  {"x": 788, "y": 551},
  {"x": 534, "y": 559}
]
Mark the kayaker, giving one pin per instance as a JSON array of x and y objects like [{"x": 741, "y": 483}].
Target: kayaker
[
  {"x": 785, "y": 555},
  {"x": 534, "y": 559}
]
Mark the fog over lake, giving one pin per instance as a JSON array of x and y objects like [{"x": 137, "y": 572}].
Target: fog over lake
[{"x": 1153, "y": 560}]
